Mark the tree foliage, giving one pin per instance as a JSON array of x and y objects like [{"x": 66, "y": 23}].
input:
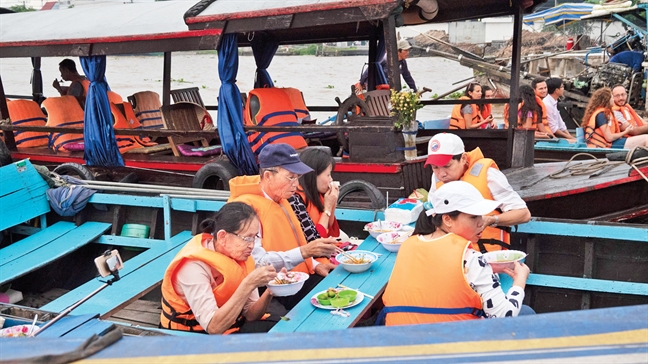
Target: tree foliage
[{"x": 21, "y": 8}]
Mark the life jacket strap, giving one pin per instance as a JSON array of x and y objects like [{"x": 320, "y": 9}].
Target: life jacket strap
[
  {"x": 173, "y": 317},
  {"x": 427, "y": 310},
  {"x": 483, "y": 242}
]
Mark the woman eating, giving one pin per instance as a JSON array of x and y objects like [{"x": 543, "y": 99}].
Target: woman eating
[
  {"x": 316, "y": 198},
  {"x": 465, "y": 287},
  {"x": 211, "y": 285},
  {"x": 601, "y": 128}
]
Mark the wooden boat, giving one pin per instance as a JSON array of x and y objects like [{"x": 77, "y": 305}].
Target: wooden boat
[{"x": 576, "y": 265}]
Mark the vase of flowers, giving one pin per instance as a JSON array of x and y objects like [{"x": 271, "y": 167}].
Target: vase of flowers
[{"x": 404, "y": 104}]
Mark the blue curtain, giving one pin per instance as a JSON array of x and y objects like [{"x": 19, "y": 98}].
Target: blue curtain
[
  {"x": 99, "y": 140},
  {"x": 230, "y": 113},
  {"x": 264, "y": 48},
  {"x": 381, "y": 78}
]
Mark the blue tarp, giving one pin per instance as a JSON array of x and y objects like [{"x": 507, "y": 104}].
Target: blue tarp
[
  {"x": 264, "y": 48},
  {"x": 100, "y": 145},
  {"x": 230, "y": 116},
  {"x": 561, "y": 14}
]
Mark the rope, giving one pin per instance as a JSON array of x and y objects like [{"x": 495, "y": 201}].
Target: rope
[
  {"x": 637, "y": 161},
  {"x": 592, "y": 169}
]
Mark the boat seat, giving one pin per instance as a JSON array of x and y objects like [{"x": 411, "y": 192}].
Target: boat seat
[
  {"x": 191, "y": 94},
  {"x": 66, "y": 112},
  {"x": 139, "y": 275},
  {"x": 146, "y": 105},
  {"x": 22, "y": 197},
  {"x": 378, "y": 102},
  {"x": 184, "y": 116},
  {"x": 27, "y": 113}
]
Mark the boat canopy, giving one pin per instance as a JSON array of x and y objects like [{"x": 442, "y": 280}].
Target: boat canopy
[
  {"x": 127, "y": 28},
  {"x": 560, "y": 15}
]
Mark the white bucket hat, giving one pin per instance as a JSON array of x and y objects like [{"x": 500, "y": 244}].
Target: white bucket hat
[{"x": 460, "y": 196}]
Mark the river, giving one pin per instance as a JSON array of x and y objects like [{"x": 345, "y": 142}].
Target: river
[{"x": 320, "y": 79}]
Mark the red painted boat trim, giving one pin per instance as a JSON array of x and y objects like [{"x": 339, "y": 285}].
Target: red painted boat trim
[
  {"x": 285, "y": 11},
  {"x": 46, "y": 158},
  {"x": 116, "y": 39},
  {"x": 367, "y": 168}
]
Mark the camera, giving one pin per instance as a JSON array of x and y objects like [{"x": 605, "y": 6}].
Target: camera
[{"x": 109, "y": 263}]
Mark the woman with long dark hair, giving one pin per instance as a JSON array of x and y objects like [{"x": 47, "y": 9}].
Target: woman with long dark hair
[
  {"x": 211, "y": 284},
  {"x": 316, "y": 197},
  {"x": 601, "y": 128},
  {"x": 530, "y": 113},
  {"x": 468, "y": 116}
]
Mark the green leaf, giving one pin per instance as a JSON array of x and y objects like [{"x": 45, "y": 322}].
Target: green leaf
[{"x": 284, "y": 318}]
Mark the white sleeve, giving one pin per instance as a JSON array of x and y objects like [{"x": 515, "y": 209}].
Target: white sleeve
[
  {"x": 482, "y": 280},
  {"x": 194, "y": 283},
  {"x": 619, "y": 116},
  {"x": 503, "y": 192},
  {"x": 288, "y": 259}
]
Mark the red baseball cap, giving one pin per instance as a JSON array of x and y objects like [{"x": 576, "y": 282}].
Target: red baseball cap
[{"x": 442, "y": 147}]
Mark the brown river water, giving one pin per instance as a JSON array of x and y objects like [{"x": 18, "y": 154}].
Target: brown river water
[{"x": 320, "y": 79}]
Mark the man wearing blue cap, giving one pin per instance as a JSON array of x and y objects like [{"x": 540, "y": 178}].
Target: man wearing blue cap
[{"x": 283, "y": 241}]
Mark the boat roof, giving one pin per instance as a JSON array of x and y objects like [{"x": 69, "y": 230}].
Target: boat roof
[
  {"x": 120, "y": 28},
  {"x": 162, "y": 26}
]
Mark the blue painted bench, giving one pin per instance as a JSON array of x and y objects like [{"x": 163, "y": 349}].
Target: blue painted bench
[{"x": 22, "y": 197}]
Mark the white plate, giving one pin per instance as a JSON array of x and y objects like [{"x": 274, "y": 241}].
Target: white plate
[{"x": 316, "y": 303}]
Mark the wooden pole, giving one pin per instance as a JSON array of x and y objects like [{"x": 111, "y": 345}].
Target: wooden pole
[
  {"x": 391, "y": 47},
  {"x": 4, "y": 114},
  {"x": 371, "y": 68},
  {"x": 166, "y": 80}
]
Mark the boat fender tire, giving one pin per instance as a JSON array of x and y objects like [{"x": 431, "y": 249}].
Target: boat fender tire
[
  {"x": 376, "y": 197},
  {"x": 357, "y": 107},
  {"x": 130, "y": 178},
  {"x": 5, "y": 155},
  {"x": 215, "y": 176},
  {"x": 75, "y": 169}
]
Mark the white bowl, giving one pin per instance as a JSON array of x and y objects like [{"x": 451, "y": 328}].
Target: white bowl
[
  {"x": 392, "y": 241},
  {"x": 289, "y": 289},
  {"x": 379, "y": 227},
  {"x": 407, "y": 229},
  {"x": 502, "y": 259},
  {"x": 356, "y": 268}
]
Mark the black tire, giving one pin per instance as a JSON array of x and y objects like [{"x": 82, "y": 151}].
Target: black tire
[
  {"x": 215, "y": 176},
  {"x": 375, "y": 196},
  {"x": 351, "y": 104},
  {"x": 75, "y": 170},
  {"x": 130, "y": 178},
  {"x": 5, "y": 155}
]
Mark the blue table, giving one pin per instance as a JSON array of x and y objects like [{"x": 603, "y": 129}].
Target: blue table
[{"x": 305, "y": 317}]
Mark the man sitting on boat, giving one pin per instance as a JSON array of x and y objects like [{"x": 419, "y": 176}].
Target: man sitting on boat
[
  {"x": 450, "y": 162},
  {"x": 465, "y": 287},
  {"x": 211, "y": 286},
  {"x": 540, "y": 88},
  {"x": 555, "y": 89},
  {"x": 625, "y": 115},
  {"x": 403, "y": 53},
  {"x": 79, "y": 84},
  {"x": 283, "y": 241},
  {"x": 601, "y": 128}
]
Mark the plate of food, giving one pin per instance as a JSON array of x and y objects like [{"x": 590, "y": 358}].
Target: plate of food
[
  {"x": 379, "y": 227},
  {"x": 502, "y": 259},
  {"x": 333, "y": 299}
]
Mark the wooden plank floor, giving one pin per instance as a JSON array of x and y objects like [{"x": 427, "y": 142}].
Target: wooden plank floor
[{"x": 140, "y": 313}]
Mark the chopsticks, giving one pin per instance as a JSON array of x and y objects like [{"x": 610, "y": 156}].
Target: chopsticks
[
  {"x": 353, "y": 289},
  {"x": 347, "y": 255}
]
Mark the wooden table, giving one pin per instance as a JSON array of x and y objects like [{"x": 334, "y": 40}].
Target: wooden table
[{"x": 305, "y": 317}]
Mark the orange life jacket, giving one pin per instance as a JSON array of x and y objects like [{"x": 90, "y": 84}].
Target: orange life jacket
[
  {"x": 630, "y": 115},
  {"x": 487, "y": 111},
  {"x": 176, "y": 313},
  {"x": 543, "y": 107},
  {"x": 412, "y": 298},
  {"x": 63, "y": 111},
  {"x": 27, "y": 113},
  {"x": 594, "y": 136},
  {"x": 86, "y": 85},
  {"x": 281, "y": 228},
  {"x": 522, "y": 118},
  {"x": 457, "y": 119},
  {"x": 493, "y": 238},
  {"x": 126, "y": 120},
  {"x": 275, "y": 109},
  {"x": 147, "y": 109},
  {"x": 298, "y": 103}
]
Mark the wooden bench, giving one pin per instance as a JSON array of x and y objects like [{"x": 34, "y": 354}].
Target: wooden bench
[
  {"x": 22, "y": 197},
  {"x": 182, "y": 116},
  {"x": 378, "y": 102}
]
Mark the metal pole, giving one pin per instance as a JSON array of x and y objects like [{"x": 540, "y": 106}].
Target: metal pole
[
  {"x": 161, "y": 191},
  {"x": 153, "y": 187}
]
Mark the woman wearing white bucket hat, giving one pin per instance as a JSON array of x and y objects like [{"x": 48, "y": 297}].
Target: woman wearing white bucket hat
[{"x": 466, "y": 287}]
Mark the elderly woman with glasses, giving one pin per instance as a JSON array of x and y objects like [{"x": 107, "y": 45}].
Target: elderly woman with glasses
[
  {"x": 211, "y": 286},
  {"x": 284, "y": 244}
]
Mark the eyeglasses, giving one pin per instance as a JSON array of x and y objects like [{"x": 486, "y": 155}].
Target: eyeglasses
[
  {"x": 248, "y": 239},
  {"x": 291, "y": 179}
]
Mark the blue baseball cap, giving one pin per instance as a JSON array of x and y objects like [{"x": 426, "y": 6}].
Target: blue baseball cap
[{"x": 282, "y": 155}]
